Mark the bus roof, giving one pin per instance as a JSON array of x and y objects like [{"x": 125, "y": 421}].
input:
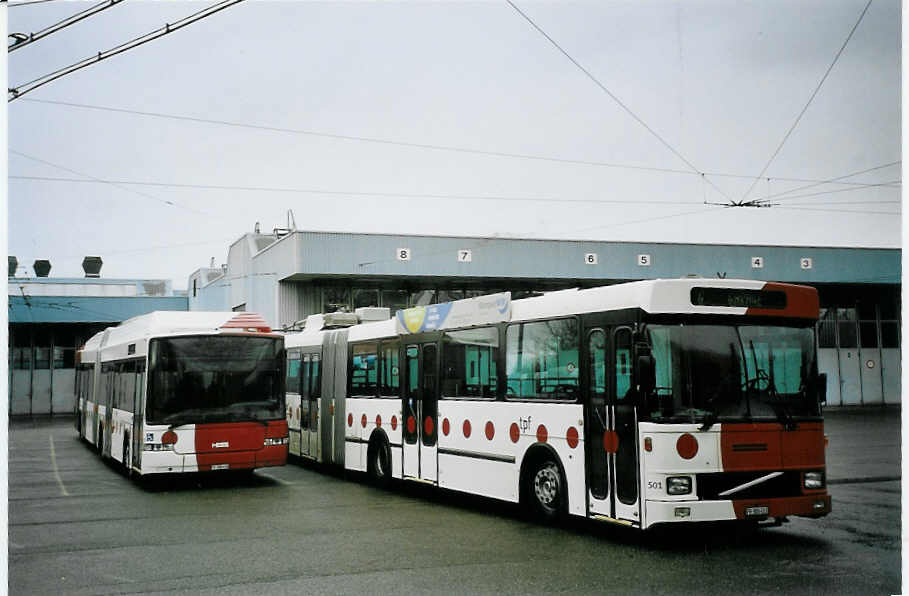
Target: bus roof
[
  {"x": 658, "y": 296},
  {"x": 665, "y": 296},
  {"x": 170, "y": 323}
]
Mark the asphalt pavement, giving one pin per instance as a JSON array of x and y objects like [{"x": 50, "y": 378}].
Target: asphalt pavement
[{"x": 863, "y": 444}]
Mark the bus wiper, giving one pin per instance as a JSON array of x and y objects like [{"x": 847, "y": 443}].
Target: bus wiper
[
  {"x": 709, "y": 420},
  {"x": 780, "y": 407}
]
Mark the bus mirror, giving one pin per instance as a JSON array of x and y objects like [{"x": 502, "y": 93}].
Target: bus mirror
[
  {"x": 645, "y": 373},
  {"x": 822, "y": 389}
]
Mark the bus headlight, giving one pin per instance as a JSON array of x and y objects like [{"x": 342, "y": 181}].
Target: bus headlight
[
  {"x": 272, "y": 441},
  {"x": 814, "y": 480},
  {"x": 678, "y": 485}
]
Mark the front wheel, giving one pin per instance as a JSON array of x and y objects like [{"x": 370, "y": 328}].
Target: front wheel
[
  {"x": 545, "y": 490},
  {"x": 379, "y": 465}
]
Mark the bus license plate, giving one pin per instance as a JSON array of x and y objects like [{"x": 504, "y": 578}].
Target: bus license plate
[
  {"x": 220, "y": 466},
  {"x": 760, "y": 511}
]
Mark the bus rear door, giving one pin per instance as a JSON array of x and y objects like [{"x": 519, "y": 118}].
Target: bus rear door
[{"x": 420, "y": 412}]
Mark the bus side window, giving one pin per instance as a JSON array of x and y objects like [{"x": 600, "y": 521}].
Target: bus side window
[
  {"x": 597, "y": 371},
  {"x": 541, "y": 359},
  {"x": 293, "y": 373},
  {"x": 469, "y": 363},
  {"x": 315, "y": 377},
  {"x": 389, "y": 370},
  {"x": 622, "y": 363},
  {"x": 128, "y": 390},
  {"x": 363, "y": 374}
]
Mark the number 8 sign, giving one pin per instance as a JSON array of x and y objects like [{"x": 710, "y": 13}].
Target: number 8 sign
[{"x": 403, "y": 254}]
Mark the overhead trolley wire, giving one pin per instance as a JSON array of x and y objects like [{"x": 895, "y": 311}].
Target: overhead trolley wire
[
  {"x": 621, "y": 104},
  {"x": 355, "y": 193},
  {"x": 831, "y": 181},
  {"x": 823, "y": 193},
  {"x": 13, "y": 5},
  {"x": 808, "y": 103},
  {"x": 467, "y": 150},
  {"x": 16, "y": 92},
  {"x": 33, "y": 37},
  {"x": 101, "y": 181}
]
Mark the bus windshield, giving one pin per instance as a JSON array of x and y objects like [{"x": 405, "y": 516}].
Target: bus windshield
[
  {"x": 706, "y": 372},
  {"x": 214, "y": 378}
]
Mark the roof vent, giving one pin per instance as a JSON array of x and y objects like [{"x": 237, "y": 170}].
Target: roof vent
[
  {"x": 13, "y": 265},
  {"x": 42, "y": 267},
  {"x": 92, "y": 266}
]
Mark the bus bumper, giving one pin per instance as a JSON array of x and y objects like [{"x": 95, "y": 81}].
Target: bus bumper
[{"x": 660, "y": 512}]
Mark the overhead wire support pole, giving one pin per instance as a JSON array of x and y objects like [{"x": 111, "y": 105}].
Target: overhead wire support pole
[
  {"x": 16, "y": 92},
  {"x": 22, "y": 41}
]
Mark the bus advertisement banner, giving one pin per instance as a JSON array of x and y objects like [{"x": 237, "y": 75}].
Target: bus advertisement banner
[{"x": 482, "y": 310}]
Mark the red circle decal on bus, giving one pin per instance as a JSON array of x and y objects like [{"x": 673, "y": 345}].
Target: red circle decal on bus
[
  {"x": 378, "y": 420},
  {"x": 514, "y": 432},
  {"x": 572, "y": 437},
  {"x": 687, "y": 446},
  {"x": 490, "y": 430},
  {"x": 394, "y": 423},
  {"x": 466, "y": 429},
  {"x": 610, "y": 441},
  {"x": 411, "y": 425},
  {"x": 428, "y": 426},
  {"x": 169, "y": 438},
  {"x": 363, "y": 420},
  {"x": 446, "y": 427},
  {"x": 350, "y": 420},
  {"x": 542, "y": 434}
]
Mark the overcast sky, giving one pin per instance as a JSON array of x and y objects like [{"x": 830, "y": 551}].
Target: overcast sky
[{"x": 718, "y": 85}]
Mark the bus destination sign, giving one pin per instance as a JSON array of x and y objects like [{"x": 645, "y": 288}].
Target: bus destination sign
[{"x": 738, "y": 298}]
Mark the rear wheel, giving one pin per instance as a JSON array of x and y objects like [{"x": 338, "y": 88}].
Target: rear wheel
[
  {"x": 544, "y": 489},
  {"x": 379, "y": 464}
]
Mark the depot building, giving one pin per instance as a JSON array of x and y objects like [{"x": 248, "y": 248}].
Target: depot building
[{"x": 291, "y": 274}]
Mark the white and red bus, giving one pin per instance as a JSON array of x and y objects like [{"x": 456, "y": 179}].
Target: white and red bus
[
  {"x": 171, "y": 392},
  {"x": 644, "y": 403}
]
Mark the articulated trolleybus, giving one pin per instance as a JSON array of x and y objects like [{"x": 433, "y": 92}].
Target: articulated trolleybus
[
  {"x": 172, "y": 392},
  {"x": 644, "y": 403}
]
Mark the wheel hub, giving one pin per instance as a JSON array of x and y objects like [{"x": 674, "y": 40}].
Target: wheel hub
[{"x": 546, "y": 485}]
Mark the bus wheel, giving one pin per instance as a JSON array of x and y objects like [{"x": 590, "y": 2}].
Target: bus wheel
[
  {"x": 378, "y": 465},
  {"x": 545, "y": 489}
]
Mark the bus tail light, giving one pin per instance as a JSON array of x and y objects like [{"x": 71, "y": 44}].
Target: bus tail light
[{"x": 169, "y": 438}]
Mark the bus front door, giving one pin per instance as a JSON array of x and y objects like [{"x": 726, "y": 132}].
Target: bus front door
[
  {"x": 625, "y": 476},
  {"x": 420, "y": 413},
  {"x": 612, "y": 426}
]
